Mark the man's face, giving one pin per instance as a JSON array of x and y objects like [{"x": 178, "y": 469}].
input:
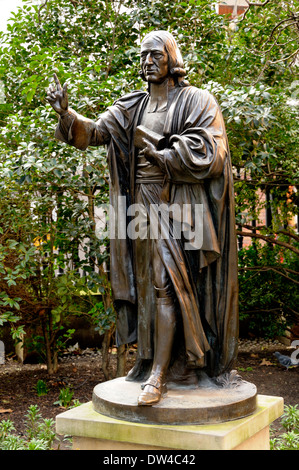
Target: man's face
[{"x": 154, "y": 61}]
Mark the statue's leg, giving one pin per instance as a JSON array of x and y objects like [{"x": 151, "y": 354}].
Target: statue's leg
[{"x": 165, "y": 324}]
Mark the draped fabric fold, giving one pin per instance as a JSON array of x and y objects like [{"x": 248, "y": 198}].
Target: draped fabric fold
[{"x": 197, "y": 171}]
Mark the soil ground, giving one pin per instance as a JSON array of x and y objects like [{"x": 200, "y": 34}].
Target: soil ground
[{"x": 81, "y": 371}]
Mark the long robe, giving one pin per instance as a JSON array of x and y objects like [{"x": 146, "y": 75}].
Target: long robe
[{"x": 198, "y": 171}]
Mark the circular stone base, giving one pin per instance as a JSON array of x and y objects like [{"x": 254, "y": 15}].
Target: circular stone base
[{"x": 206, "y": 404}]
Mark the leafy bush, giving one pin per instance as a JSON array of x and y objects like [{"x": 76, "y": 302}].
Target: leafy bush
[
  {"x": 41, "y": 388},
  {"x": 268, "y": 299},
  {"x": 289, "y": 440},
  {"x": 40, "y": 434},
  {"x": 65, "y": 397},
  {"x": 49, "y": 191}
]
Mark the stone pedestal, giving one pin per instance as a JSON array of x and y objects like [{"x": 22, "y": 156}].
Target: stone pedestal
[
  {"x": 208, "y": 402},
  {"x": 92, "y": 430}
]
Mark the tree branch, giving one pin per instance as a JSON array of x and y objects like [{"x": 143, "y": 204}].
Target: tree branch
[
  {"x": 292, "y": 20},
  {"x": 261, "y": 227},
  {"x": 115, "y": 24},
  {"x": 279, "y": 24},
  {"x": 284, "y": 59},
  {"x": 275, "y": 42},
  {"x": 270, "y": 268},
  {"x": 251, "y": 4},
  {"x": 267, "y": 239},
  {"x": 43, "y": 5}
]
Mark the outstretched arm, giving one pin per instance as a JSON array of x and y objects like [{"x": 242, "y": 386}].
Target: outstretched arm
[{"x": 73, "y": 128}]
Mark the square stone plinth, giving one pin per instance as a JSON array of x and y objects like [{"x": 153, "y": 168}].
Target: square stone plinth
[{"x": 93, "y": 431}]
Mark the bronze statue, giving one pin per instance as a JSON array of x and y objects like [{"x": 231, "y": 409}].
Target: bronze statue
[{"x": 166, "y": 146}]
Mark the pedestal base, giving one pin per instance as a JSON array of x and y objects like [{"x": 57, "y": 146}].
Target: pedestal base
[
  {"x": 206, "y": 403},
  {"x": 92, "y": 430}
]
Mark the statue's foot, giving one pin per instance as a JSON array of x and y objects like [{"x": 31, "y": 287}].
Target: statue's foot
[{"x": 152, "y": 391}]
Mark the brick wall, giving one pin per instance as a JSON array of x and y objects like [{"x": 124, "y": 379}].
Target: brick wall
[{"x": 228, "y": 9}]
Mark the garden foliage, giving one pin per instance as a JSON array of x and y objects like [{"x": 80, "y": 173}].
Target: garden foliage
[
  {"x": 53, "y": 263},
  {"x": 39, "y": 435}
]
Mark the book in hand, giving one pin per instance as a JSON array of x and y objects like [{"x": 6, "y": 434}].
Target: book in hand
[{"x": 142, "y": 134}]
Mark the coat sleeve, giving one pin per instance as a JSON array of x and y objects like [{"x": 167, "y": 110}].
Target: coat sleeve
[
  {"x": 74, "y": 129},
  {"x": 199, "y": 151},
  {"x": 81, "y": 132}
]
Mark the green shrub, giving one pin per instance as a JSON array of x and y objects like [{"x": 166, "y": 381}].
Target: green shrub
[
  {"x": 65, "y": 397},
  {"x": 268, "y": 298},
  {"x": 289, "y": 440},
  {"x": 40, "y": 433},
  {"x": 41, "y": 388}
]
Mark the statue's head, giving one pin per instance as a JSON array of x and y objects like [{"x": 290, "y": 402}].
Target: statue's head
[{"x": 160, "y": 58}]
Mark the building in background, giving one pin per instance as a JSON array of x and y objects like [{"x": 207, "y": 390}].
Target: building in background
[{"x": 233, "y": 7}]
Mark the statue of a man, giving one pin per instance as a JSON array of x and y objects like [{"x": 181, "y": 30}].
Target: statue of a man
[{"x": 180, "y": 304}]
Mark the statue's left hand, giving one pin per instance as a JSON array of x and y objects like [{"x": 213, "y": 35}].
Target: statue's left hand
[{"x": 152, "y": 154}]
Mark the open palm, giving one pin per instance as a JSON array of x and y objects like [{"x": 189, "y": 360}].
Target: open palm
[{"x": 58, "y": 97}]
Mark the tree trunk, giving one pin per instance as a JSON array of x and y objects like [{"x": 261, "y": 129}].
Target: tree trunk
[
  {"x": 121, "y": 360},
  {"x": 105, "y": 353},
  {"x": 55, "y": 361},
  {"x": 51, "y": 354}
]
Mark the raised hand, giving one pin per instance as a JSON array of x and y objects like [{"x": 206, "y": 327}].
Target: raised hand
[{"x": 58, "y": 97}]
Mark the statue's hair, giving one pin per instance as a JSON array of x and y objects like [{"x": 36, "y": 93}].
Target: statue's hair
[{"x": 175, "y": 60}]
